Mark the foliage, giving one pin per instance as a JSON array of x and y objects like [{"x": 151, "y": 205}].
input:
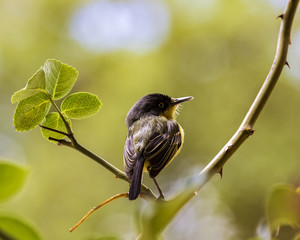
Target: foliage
[
  {"x": 51, "y": 82},
  {"x": 80, "y": 105},
  {"x": 12, "y": 177},
  {"x": 12, "y": 227},
  {"x": 53, "y": 120}
]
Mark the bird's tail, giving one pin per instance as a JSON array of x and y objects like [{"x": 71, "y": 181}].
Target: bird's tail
[{"x": 136, "y": 181}]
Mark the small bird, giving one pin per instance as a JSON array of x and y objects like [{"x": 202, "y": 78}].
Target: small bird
[{"x": 154, "y": 138}]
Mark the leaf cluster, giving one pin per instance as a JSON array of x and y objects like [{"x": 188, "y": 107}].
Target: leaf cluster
[{"x": 53, "y": 81}]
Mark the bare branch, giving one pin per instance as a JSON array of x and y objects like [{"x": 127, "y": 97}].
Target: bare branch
[
  {"x": 117, "y": 196},
  {"x": 246, "y": 128}
]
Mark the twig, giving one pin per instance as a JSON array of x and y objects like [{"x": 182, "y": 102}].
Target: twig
[
  {"x": 120, "y": 195},
  {"x": 54, "y": 130},
  {"x": 117, "y": 172}
]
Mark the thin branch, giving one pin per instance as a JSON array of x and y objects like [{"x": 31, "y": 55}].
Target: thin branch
[
  {"x": 68, "y": 127},
  {"x": 117, "y": 196},
  {"x": 246, "y": 128},
  {"x": 117, "y": 172},
  {"x": 54, "y": 130},
  {"x": 62, "y": 142}
]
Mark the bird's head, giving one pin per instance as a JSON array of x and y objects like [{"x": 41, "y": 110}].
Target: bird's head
[{"x": 154, "y": 104}]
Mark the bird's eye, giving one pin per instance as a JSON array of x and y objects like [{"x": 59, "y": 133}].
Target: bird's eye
[{"x": 161, "y": 105}]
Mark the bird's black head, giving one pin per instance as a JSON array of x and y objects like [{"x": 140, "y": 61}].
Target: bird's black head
[{"x": 154, "y": 104}]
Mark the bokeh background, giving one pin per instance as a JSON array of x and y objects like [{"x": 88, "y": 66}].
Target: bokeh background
[{"x": 217, "y": 51}]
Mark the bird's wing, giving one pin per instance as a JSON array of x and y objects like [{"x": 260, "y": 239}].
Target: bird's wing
[
  {"x": 130, "y": 156},
  {"x": 162, "y": 148}
]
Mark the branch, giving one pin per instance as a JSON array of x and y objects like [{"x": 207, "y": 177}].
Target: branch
[
  {"x": 117, "y": 172},
  {"x": 246, "y": 128},
  {"x": 147, "y": 193},
  {"x": 117, "y": 196}
]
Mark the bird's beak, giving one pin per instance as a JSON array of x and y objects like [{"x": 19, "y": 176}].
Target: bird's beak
[{"x": 176, "y": 101}]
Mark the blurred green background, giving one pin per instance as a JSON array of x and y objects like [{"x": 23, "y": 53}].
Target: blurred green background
[{"x": 217, "y": 51}]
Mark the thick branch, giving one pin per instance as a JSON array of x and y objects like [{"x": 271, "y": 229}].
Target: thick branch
[
  {"x": 280, "y": 61},
  {"x": 245, "y": 130}
]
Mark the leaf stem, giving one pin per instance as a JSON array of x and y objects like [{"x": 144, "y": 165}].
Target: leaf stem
[
  {"x": 54, "y": 130},
  {"x": 68, "y": 127}
]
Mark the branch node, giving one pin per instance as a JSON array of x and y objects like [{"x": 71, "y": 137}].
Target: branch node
[
  {"x": 250, "y": 131},
  {"x": 228, "y": 148},
  {"x": 61, "y": 142},
  {"x": 286, "y": 63}
]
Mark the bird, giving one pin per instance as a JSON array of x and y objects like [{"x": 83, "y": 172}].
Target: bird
[{"x": 153, "y": 139}]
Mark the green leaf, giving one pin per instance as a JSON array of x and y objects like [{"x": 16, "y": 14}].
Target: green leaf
[
  {"x": 283, "y": 207},
  {"x": 54, "y": 121},
  {"x": 15, "y": 228},
  {"x": 12, "y": 177},
  {"x": 34, "y": 85},
  {"x": 60, "y": 78},
  {"x": 31, "y": 111},
  {"x": 80, "y": 105}
]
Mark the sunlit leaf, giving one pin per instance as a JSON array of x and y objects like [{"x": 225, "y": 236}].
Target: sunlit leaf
[
  {"x": 12, "y": 177},
  {"x": 80, "y": 105},
  {"x": 59, "y": 77},
  {"x": 283, "y": 207},
  {"x": 16, "y": 228},
  {"x": 31, "y": 111},
  {"x": 34, "y": 85},
  {"x": 54, "y": 121}
]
